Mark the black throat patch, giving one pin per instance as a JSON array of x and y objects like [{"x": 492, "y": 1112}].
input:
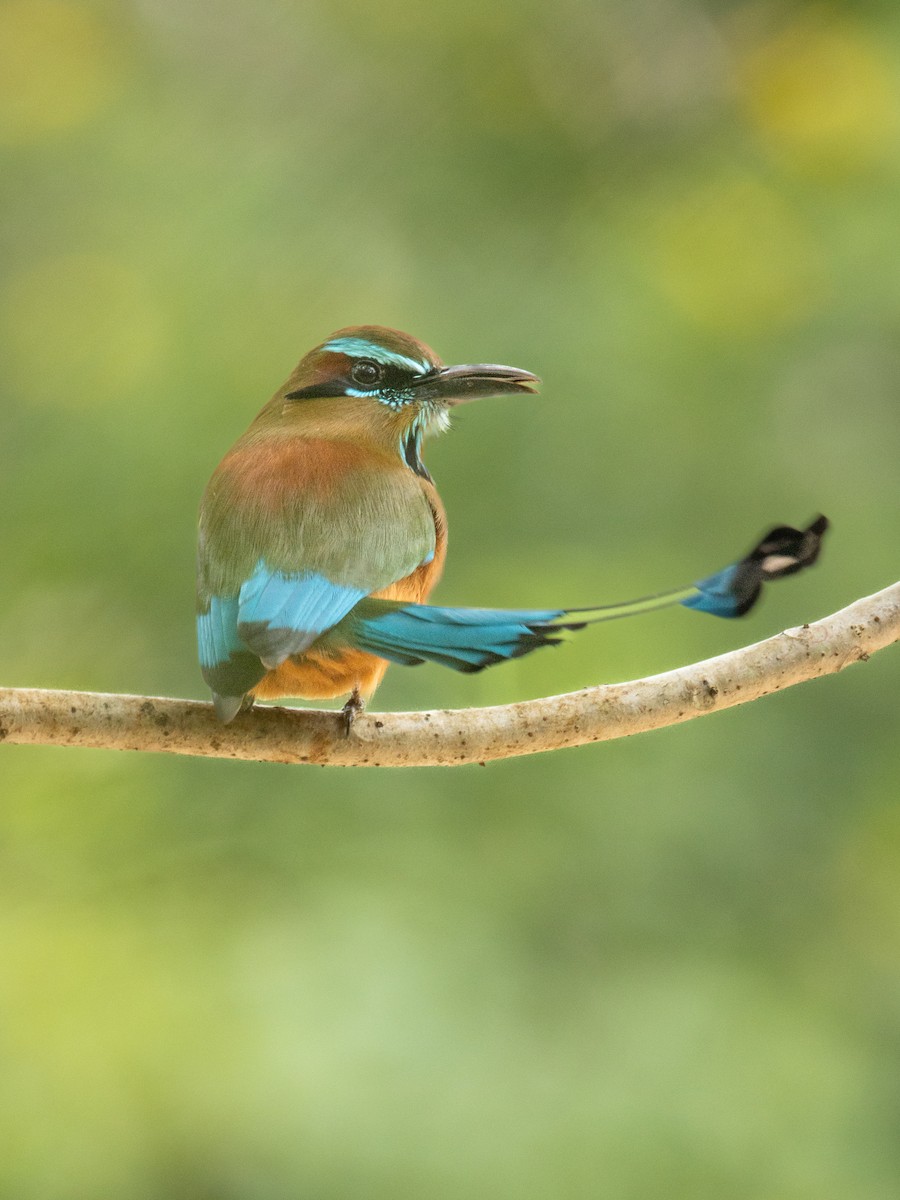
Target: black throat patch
[{"x": 412, "y": 449}]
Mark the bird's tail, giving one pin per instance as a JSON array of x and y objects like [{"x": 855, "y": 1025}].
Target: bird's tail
[{"x": 470, "y": 639}]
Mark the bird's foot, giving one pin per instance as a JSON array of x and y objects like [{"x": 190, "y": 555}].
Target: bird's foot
[{"x": 351, "y": 710}]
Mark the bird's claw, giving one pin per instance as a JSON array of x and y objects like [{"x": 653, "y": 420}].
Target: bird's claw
[{"x": 351, "y": 709}]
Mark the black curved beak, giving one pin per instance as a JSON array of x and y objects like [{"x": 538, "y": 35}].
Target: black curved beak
[{"x": 474, "y": 381}]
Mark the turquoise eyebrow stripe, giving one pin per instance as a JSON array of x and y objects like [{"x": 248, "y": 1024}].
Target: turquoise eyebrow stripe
[{"x": 360, "y": 348}]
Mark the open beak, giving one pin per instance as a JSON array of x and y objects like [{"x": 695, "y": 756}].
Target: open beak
[{"x": 459, "y": 385}]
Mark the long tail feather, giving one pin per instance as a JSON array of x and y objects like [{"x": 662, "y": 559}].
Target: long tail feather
[{"x": 470, "y": 639}]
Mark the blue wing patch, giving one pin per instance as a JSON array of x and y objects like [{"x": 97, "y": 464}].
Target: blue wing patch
[
  {"x": 217, "y": 636},
  {"x": 227, "y": 665},
  {"x": 282, "y": 614}
]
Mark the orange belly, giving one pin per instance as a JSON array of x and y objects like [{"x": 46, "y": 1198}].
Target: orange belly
[{"x": 320, "y": 676}]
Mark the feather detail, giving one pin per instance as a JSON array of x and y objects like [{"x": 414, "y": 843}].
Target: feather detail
[
  {"x": 465, "y": 639},
  {"x": 280, "y": 615}
]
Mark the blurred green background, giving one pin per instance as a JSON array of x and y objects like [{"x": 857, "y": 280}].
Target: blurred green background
[{"x": 661, "y": 967}]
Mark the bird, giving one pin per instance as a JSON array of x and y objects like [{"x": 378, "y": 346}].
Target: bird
[{"x": 322, "y": 535}]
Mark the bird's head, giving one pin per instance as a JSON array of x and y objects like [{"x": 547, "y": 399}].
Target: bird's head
[{"x": 379, "y": 375}]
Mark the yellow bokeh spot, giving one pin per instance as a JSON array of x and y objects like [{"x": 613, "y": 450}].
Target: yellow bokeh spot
[
  {"x": 81, "y": 330},
  {"x": 821, "y": 95},
  {"x": 732, "y": 256},
  {"x": 59, "y": 65}
]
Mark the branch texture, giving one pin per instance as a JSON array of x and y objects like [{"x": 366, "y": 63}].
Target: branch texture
[{"x": 453, "y": 737}]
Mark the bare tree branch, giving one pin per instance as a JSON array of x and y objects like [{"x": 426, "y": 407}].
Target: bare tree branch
[{"x": 451, "y": 737}]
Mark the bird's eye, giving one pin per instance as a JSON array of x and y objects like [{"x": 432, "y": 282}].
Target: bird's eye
[{"x": 365, "y": 372}]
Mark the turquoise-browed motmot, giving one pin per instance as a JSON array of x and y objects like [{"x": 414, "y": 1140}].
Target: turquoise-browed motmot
[{"x": 322, "y": 534}]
